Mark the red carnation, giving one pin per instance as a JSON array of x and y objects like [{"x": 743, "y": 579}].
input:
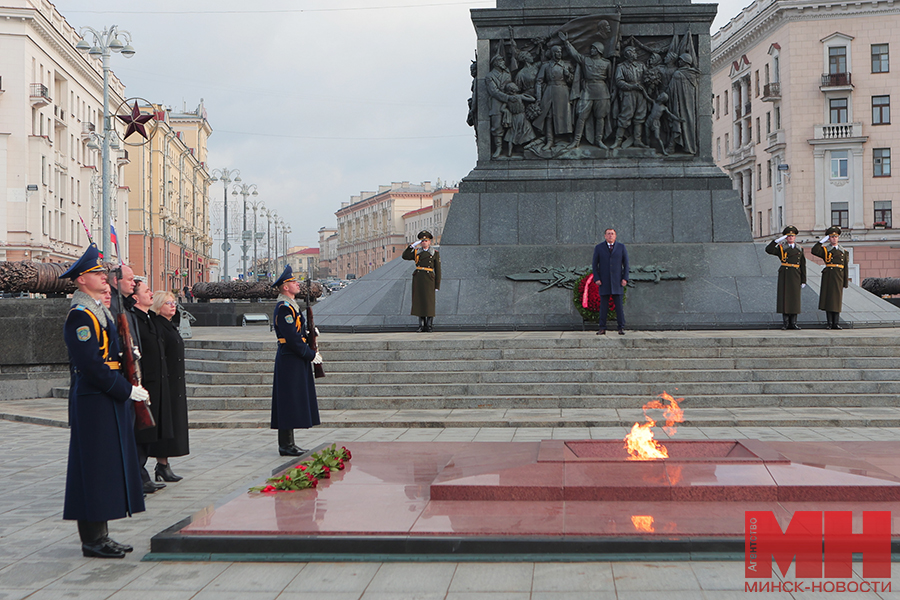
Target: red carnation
[
  {"x": 347, "y": 454},
  {"x": 269, "y": 488}
]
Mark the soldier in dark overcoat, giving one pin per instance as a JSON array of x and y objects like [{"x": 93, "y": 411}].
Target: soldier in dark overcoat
[
  {"x": 791, "y": 275},
  {"x": 102, "y": 475},
  {"x": 835, "y": 276},
  {"x": 294, "y": 404},
  {"x": 426, "y": 279}
]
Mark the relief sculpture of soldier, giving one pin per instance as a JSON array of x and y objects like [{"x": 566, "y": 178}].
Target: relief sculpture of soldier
[
  {"x": 632, "y": 100},
  {"x": 591, "y": 90},
  {"x": 552, "y": 89},
  {"x": 496, "y": 81}
]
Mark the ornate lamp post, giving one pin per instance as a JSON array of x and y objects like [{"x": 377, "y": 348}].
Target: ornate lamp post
[
  {"x": 105, "y": 43},
  {"x": 271, "y": 215},
  {"x": 245, "y": 190},
  {"x": 256, "y": 205},
  {"x": 226, "y": 176}
]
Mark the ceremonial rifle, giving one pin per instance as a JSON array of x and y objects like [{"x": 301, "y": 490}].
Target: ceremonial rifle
[{"x": 311, "y": 334}]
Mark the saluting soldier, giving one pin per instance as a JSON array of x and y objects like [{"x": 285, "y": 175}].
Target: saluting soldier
[
  {"x": 294, "y": 404},
  {"x": 103, "y": 480},
  {"x": 791, "y": 275},
  {"x": 834, "y": 276},
  {"x": 426, "y": 279}
]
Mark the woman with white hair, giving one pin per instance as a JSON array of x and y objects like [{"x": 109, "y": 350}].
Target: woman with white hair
[{"x": 165, "y": 307}]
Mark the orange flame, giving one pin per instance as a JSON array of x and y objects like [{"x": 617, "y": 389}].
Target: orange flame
[
  {"x": 640, "y": 443},
  {"x": 643, "y": 523}
]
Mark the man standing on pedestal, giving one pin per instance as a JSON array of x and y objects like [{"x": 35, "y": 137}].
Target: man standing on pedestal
[
  {"x": 791, "y": 275},
  {"x": 103, "y": 479},
  {"x": 294, "y": 404},
  {"x": 610, "y": 267}
]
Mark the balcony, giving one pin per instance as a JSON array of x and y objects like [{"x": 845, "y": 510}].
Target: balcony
[
  {"x": 772, "y": 92},
  {"x": 776, "y": 141},
  {"x": 836, "y": 81},
  {"x": 838, "y": 131},
  {"x": 40, "y": 95},
  {"x": 87, "y": 128},
  {"x": 59, "y": 116}
]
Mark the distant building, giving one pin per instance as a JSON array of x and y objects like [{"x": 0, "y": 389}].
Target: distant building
[
  {"x": 431, "y": 218},
  {"x": 169, "y": 220},
  {"x": 802, "y": 122},
  {"x": 371, "y": 228},
  {"x": 328, "y": 243},
  {"x": 304, "y": 261},
  {"x": 51, "y": 102}
]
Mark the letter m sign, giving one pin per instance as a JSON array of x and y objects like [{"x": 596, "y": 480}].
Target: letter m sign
[{"x": 817, "y": 539}]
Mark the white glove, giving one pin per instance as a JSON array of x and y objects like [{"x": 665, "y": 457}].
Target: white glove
[
  {"x": 318, "y": 359},
  {"x": 823, "y": 240},
  {"x": 781, "y": 239},
  {"x": 802, "y": 285},
  {"x": 415, "y": 244},
  {"x": 139, "y": 394}
]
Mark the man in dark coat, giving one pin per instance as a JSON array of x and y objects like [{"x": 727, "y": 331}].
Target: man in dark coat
[
  {"x": 294, "y": 403},
  {"x": 610, "y": 267},
  {"x": 791, "y": 275},
  {"x": 835, "y": 276},
  {"x": 102, "y": 475},
  {"x": 426, "y": 279}
]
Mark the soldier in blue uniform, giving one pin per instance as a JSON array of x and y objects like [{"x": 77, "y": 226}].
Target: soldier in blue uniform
[
  {"x": 103, "y": 481},
  {"x": 294, "y": 402}
]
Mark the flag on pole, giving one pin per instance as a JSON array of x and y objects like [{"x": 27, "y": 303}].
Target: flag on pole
[{"x": 115, "y": 240}]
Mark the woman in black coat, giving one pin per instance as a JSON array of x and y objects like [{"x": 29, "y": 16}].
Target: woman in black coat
[
  {"x": 153, "y": 377},
  {"x": 163, "y": 309}
]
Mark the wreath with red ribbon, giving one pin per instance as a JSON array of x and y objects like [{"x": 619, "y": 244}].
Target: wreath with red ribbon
[{"x": 586, "y": 296}]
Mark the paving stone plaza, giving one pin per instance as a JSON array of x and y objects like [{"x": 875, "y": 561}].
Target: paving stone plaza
[{"x": 40, "y": 555}]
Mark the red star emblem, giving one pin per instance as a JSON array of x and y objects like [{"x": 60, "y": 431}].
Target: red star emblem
[{"x": 135, "y": 122}]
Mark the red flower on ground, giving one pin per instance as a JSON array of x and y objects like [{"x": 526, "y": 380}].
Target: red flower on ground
[{"x": 269, "y": 488}]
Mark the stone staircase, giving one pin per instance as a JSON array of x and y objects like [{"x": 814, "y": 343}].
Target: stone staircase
[{"x": 540, "y": 372}]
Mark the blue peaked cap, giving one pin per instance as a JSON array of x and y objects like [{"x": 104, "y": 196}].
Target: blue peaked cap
[
  {"x": 89, "y": 261},
  {"x": 287, "y": 275}
]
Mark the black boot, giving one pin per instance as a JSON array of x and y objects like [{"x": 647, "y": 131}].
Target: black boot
[
  {"x": 429, "y": 324},
  {"x": 785, "y": 321},
  {"x": 836, "y": 321},
  {"x": 95, "y": 542},
  {"x": 164, "y": 473},
  {"x": 421, "y": 325},
  {"x": 286, "y": 446},
  {"x": 793, "y": 323},
  {"x": 828, "y": 319}
]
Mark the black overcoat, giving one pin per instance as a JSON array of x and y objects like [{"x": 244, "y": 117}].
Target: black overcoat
[
  {"x": 835, "y": 277},
  {"x": 103, "y": 480},
  {"x": 791, "y": 274},
  {"x": 426, "y": 279},
  {"x": 610, "y": 267},
  {"x": 173, "y": 346},
  {"x": 153, "y": 379},
  {"x": 294, "y": 404}
]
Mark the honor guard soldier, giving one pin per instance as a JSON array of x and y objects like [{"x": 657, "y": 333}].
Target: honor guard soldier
[
  {"x": 103, "y": 479},
  {"x": 294, "y": 404},
  {"x": 791, "y": 275},
  {"x": 835, "y": 277},
  {"x": 426, "y": 279}
]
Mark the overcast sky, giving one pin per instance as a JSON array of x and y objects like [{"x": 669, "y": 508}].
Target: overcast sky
[{"x": 313, "y": 100}]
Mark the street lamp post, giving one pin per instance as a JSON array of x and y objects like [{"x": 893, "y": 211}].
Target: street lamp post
[
  {"x": 226, "y": 176},
  {"x": 105, "y": 43},
  {"x": 270, "y": 216},
  {"x": 257, "y": 205},
  {"x": 245, "y": 190}
]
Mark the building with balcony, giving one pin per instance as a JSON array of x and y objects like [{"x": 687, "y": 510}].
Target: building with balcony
[
  {"x": 169, "y": 237},
  {"x": 371, "y": 227},
  {"x": 51, "y": 101},
  {"x": 431, "y": 218},
  {"x": 801, "y": 100},
  {"x": 304, "y": 261}
]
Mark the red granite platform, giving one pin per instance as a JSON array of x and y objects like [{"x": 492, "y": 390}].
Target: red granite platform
[{"x": 557, "y": 490}]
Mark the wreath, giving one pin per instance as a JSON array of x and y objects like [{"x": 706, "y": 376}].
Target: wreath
[{"x": 586, "y": 297}]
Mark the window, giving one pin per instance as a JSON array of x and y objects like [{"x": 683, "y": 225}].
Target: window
[
  {"x": 726, "y": 102},
  {"x": 768, "y": 173},
  {"x": 880, "y": 63},
  {"x": 756, "y": 83},
  {"x": 881, "y": 110},
  {"x": 726, "y": 144},
  {"x": 718, "y": 148},
  {"x": 759, "y": 223},
  {"x": 758, "y": 137},
  {"x": 717, "y": 107},
  {"x": 768, "y": 123},
  {"x": 839, "y": 165},
  {"x": 837, "y": 60},
  {"x": 780, "y": 217},
  {"x": 758, "y": 177},
  {"x": 883, "y": 213},
  {"x": 840, "y": 214},
  {"x": 882, "y": 160},
  {"x": 766, "y": 74},
  {"x": 777, "y": 118},
  {"x": 838, "y": 109}
]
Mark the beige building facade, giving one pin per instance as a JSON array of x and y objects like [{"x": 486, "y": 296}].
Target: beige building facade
[
  {"x": 51, "y": 102},
  {"x": 328, "y": 244},
  {"x": 169, "y": 216},
  {"x": 802, "y": 122},
  {"x": 371, "y": 227},
  {"x": 431, "y": 218}
]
